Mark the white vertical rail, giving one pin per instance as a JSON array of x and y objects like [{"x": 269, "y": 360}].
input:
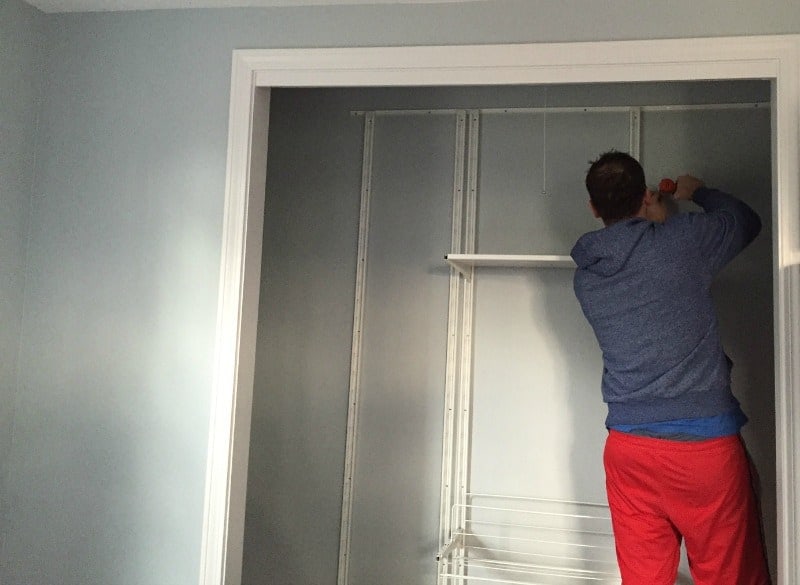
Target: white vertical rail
[
  {"x": 453, "y": 335},
  {"x": 355, "y": 355},
  {"x": 544, "y": 144},
  {"x": 636, "y": 133},
  {"x": 465, "y": 381}
]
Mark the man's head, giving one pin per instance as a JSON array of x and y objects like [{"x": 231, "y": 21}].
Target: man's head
[{"x": 617, "y": 189}]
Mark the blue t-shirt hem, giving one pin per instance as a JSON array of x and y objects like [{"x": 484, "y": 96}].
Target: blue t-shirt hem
[{"x": 708, "y": 427}]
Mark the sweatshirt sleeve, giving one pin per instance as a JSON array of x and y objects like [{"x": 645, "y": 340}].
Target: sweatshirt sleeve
[{"x": 725, "y": 229}]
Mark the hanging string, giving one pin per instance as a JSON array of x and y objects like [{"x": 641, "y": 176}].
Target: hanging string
[{"x": 544, "y": 146}]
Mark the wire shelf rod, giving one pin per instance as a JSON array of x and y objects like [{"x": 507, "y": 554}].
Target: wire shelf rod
[
  {"x": 466, "y": 579},
  {"x": 540, "y": 541},
  {"x": 537, "y": 527},
  {"x": 534, "y": 512},
  {"x": 472, "y": 578},
  {"x": 554, "y": 557},
  {"x": 533, "y": 499},
  {"x": 544, "y": 570},
  {"x": 490, "y": 549}
]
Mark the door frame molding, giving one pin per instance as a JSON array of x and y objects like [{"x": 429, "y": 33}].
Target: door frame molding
[{"x": 254, "y": 72}]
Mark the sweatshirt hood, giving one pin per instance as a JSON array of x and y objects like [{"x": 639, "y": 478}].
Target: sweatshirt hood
[{"x": 606, "y": 250}]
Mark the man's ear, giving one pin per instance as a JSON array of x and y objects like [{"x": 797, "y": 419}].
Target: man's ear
[
  {"x": 595, "y": 213},
  {"x": 650, "y": 197}
]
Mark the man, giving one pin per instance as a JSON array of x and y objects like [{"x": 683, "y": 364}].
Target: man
[{"x": 675, "y": 464}]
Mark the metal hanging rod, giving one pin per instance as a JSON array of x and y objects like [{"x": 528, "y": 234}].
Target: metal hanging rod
[
  {"x": 568, "y": 109},
  {"x": 689, "y": 107}
]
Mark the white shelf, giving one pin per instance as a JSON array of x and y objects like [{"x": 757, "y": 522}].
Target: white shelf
[
  {"x": 464, "y": 262},
  {"x": 519, "y": 541}
]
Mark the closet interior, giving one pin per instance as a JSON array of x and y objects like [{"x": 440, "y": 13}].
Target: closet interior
[{"x": 426, "y": 404}]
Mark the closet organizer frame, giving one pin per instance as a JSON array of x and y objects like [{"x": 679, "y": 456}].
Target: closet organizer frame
[{"x": 531, "y": 540}]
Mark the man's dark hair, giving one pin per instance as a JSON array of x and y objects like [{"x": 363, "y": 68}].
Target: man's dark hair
[{"x": 616, "y": 186}]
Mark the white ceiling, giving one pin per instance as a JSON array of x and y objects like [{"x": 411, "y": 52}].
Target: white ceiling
[{"x": 114, "y": 5}]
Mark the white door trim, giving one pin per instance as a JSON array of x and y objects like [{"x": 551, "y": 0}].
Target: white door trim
[{"x": 254, "y": 72}]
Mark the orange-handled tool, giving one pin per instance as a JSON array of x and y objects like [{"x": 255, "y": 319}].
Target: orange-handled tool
[{"x": 667, "y": 186}]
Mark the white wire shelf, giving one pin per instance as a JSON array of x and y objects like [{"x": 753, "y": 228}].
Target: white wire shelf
[
  {"x": 529, "y": 541},
  {"x": 465, "y": 262}
]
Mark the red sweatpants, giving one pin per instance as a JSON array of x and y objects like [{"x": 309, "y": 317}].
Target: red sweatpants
[{"x": 660, "y": 491}]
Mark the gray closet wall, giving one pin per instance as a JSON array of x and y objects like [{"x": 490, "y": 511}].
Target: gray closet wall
[
  {"x": 527, "y": 388},
  {"x": 22, "y": 40}
]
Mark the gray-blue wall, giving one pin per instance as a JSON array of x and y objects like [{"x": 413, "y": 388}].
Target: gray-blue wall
[
  {"x": 21, "y": 59},
  {"x": 107, "y": 465}
]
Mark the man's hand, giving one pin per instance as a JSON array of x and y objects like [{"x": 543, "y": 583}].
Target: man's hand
[{"x": 687, "y": 185}]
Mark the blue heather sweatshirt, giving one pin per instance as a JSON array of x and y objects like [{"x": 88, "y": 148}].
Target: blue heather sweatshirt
[{"x": 645, "y": 288}]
